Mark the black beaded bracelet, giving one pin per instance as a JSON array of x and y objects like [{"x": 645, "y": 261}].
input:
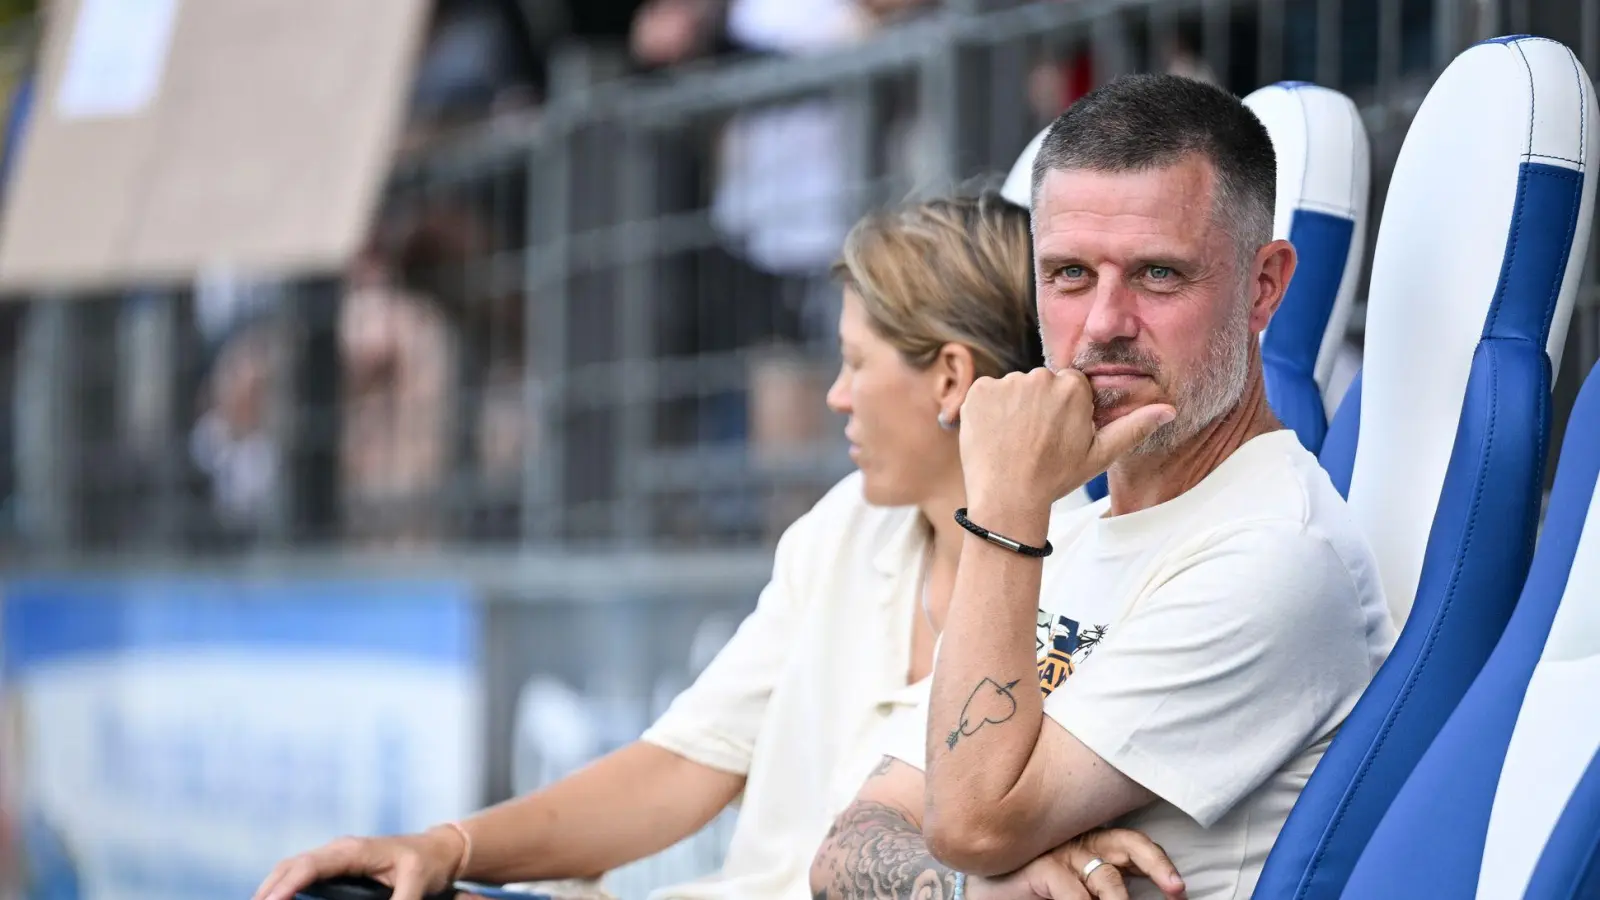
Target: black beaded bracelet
[{"x": 1000, "y": 540}]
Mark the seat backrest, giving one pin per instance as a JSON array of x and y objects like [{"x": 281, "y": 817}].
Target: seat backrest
[
  {"x": 1474, "y": 816},
  {"x": 1549, "y": 739},
  {"x": 1476, "y": 266},
  {"x": 1324, "y": 175},
  {"x": 1569, "y": 866}
]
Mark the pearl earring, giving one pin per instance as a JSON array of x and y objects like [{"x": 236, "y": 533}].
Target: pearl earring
[{"x": 944, "y": 422}]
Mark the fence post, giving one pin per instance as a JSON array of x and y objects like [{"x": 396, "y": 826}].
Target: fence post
[
  {"x": 952, "y": 85},
  {"x": 308, "y": 489},
  {"x": 151, "y": 357},
  {"x": 631, "y": 509},
  {"x": 556, "y": 179},
  {"x": 1330, "y": 34},
  {"x": 49, "y": 444}
]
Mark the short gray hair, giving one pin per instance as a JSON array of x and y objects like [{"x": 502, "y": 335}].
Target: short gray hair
[{"x": 1141, "y": 122}]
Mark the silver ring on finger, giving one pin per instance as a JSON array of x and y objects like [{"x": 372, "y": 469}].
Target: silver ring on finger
[{"x": 1091, "y": 866}]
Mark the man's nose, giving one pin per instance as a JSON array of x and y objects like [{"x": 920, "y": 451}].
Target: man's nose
[{"x": 1111, "y": 317}]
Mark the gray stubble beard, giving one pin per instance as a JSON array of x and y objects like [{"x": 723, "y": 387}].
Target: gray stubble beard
[{"x": 1214, "y": 392}]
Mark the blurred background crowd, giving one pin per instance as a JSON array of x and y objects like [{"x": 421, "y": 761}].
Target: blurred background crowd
[
  {"x": 578, "y": 363},
  {"x": 593, "y": 307}
]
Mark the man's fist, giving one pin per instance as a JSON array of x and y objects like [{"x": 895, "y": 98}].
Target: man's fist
[{"x": 1029, "y": 439}]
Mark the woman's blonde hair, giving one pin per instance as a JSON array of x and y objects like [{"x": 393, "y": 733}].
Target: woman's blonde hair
[{"x": 949, "y": 270}]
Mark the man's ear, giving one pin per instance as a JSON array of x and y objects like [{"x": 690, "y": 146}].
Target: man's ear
[
  {"x": 1274, "y": 267},
  {"x": 954, "y": 371}
]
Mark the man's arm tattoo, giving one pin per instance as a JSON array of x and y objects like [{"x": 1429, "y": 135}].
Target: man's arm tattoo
[
  {"x": 991, "y": 703},
  {"x": 873, "y": 852}
]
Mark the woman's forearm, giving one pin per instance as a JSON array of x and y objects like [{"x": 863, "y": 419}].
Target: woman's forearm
[{"x": 625, "y": 806}]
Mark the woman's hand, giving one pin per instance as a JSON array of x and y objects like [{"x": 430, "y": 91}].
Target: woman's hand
[
  {"x": 629, "y": 804},
  {"x": 414, "y": 865},
  {"x": 1058, "y": 875}
]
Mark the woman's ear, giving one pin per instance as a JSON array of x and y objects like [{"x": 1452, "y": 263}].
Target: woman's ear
[{"x": 954, "y": 370}]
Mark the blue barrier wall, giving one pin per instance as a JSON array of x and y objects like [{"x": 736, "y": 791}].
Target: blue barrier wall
[{"x": 173, "y": 738}]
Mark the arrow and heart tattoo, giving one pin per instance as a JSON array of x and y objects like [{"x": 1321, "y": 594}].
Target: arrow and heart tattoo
[{"x": 990, "y": 703}]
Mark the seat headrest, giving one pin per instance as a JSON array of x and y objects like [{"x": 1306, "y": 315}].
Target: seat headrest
[
  {"x": 1475, "y": 244},
  {"x": 1324, "y": 176},
  {"x": 1322, "y": 149},
  {"x": 1018, "y": 187}
]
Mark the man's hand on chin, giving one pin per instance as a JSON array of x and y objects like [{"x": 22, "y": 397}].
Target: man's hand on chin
[{"x": 1029, "y": 439}]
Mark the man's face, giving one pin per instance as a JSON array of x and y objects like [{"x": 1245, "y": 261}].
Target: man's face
[{"x": 1140, "y": 289}]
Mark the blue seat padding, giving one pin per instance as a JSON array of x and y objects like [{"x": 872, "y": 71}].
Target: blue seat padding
[
  {"x": 1297, "y": 332},
  {"x": 1338, "y": 456},
  {"x": 1473, "y": 817},
  {"x": 1476, "y": 267}
]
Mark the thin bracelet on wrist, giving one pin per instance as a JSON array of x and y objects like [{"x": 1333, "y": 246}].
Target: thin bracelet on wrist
[
  {"x": 466, "y": 850},
  {"x": 1000, "y": 540}
]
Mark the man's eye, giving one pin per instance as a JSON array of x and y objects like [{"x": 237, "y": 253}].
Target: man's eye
[
  {"x": 1160, "y": 273},
  {"x": 1073, "y": 272}
]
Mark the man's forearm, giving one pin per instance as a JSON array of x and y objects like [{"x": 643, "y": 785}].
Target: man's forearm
[
  {"x": 875, "y": 852},
  {"x": 985, "y": 704}
]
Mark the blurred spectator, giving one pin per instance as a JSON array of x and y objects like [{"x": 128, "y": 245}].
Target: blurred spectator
[
  {"x": 424, "y": 386},
  {"x": 480, "y": 58},
  {"x": 669, "y": 32},
  {"x": 396, "y": 340},
  {"x": 235, "y": 441},
  {"x": 783, "y": 191}
]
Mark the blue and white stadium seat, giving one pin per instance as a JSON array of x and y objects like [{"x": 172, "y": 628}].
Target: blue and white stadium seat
[
  {"x": 1443, "y": 438},
  {"x": 1474, "y": 819},
  {"x": 1324, "y": 171},
  {"x": 1324, "y": 176}
]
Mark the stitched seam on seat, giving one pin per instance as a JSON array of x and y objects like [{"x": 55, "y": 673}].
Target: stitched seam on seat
[
  {"x": 1305, "y": 128},
  {"x": 1533, "y": 96},
  {"x": 1576, "y": 162},
  {"x": 1566, "y": 262},
  {"x": 1421, "y": 663},
  {"x": 1329, "y": 209},
  {"x": 1583, "y": 107},
  {"x": 1511, "y": 255}
]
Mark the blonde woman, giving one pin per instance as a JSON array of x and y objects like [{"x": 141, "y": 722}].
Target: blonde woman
[{"x": 792, "y": 712}]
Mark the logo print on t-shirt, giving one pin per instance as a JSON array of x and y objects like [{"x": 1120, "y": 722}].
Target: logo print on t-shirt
[{"x": 1065, "y": 646}]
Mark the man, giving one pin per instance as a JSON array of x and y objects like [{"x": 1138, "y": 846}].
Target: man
[{"x": 1202, "y": 631}]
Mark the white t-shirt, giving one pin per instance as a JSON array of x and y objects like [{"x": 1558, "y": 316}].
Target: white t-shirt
[
  {"x": 1208, "y": 648},
  {"x": 798, "y": 699}
]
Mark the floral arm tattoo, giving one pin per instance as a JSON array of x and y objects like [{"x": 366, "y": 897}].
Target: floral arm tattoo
[{"x": 874, "y": 852}]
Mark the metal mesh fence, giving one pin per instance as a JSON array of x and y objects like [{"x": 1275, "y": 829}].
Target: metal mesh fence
[{"x": 608, "y": 323}]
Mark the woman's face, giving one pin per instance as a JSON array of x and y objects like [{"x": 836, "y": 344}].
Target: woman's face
[{"x": 895, "y": 438}]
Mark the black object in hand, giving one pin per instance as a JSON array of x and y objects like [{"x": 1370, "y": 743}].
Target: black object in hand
[{"x": 358, "y": 888}]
